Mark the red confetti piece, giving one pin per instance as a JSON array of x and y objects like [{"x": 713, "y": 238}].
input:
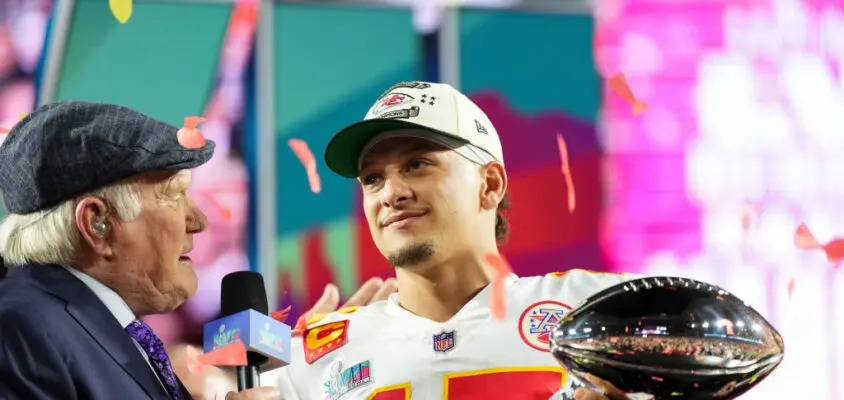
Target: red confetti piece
[
  {"x": 282, "y": 315},
  {"x": 194, "y": 365},
  {"x": 804, "y": 240},
  {"x": 564, "y": 159},
  {"x": 233, "y": 355},
  {"x": 306, "y": 157},
  {"x": 502, "y": 269},
  {"x": 190, "y": 137},
  {"x": 4, "y": 131},
  {"x": 619, "y": 85}
]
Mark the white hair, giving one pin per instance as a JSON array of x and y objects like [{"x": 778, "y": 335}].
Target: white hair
[{"x": 50, "y": 236}]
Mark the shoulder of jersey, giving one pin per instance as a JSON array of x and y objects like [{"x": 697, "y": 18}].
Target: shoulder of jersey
[
  {"x": 574, "y": 278},
  {"x": 322, "y": 334}
]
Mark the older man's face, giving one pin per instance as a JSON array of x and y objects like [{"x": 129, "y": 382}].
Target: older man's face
[{"x": 153, "y": 247}]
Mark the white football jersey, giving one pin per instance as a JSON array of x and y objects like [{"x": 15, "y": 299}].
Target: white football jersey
[{"x": 384, "y": 352}]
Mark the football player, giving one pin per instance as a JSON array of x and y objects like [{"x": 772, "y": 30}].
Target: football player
[{"x": 432, "y": 172}]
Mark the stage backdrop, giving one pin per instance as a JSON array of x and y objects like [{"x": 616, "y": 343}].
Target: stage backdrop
[
  {"x": 333, "y": 61},
  {"x": 741, "y": 144}
]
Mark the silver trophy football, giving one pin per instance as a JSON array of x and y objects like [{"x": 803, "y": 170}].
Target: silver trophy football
[{"x": 673, "y": 338}]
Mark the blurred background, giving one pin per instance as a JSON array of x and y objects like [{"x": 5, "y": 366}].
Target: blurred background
[{"x": 741, "y": 142}]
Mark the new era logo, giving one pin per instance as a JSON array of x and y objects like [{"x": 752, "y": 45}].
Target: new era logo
[{"x": 480, "y": 127}]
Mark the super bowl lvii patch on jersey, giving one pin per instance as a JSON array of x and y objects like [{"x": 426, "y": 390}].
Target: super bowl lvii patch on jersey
[{"x": 341, "y": 381}]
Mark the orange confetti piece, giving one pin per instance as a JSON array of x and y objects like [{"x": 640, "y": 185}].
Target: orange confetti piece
[
  {"x": 301, "y": 326},
  {"x": 619, "y": 85},
  {"x": 749, "y": 217},
  {"x": 282, "y": 315},
  {"x": 121, "y": 9},
  {"x": 306, "y": 157},
  {"x": 190, "y": 137},
  {"x": 791, "y": 285},
  {"x": 804, "y": 240},
  {"x": 224, "y": 210},
  {"x": 233, "y": 355},
  {"x": 564, "y": 159},
  {"x": 194, "y": 365},
  {"x": 749, "y": 221},
  {"x": 4, "y": 131},
  {"x": 502, "y": 269}
]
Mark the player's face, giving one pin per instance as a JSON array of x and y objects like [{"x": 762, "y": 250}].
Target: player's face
[{"x": 421, "y": 200}]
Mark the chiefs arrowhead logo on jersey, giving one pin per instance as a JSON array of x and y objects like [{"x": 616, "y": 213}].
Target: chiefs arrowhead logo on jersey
[
  {"x": 536, "y": 322},
  {"x": 323, "y": 339}
]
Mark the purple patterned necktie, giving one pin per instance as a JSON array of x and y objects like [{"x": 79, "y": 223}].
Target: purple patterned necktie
[{"x": 154, "y": 348}]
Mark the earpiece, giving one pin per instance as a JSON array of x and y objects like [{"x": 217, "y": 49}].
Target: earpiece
[{"x": 100, "y": 227}]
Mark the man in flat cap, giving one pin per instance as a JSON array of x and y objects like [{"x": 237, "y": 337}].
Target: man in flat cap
[{"x": 97, "y": 236}]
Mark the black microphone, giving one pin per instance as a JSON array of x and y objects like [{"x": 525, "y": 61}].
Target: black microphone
[{"x": 241, "y": 291}]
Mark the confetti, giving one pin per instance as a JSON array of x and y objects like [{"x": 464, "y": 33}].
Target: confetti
[
  {"x": 619, "y": 85},
  {"x": 804, "y": 240},
  {"x": 190, "y": 137},
  {"x": 791, "y": 285},
  {"x": 301, "y": 326},
  {"x": 564, "y": 159},
  {"x": 233, "y": 355},
  {"x": 300, "y": 148},
  {"x": 282, "y": 315},
  {"x": 22, "y": 116},
  {"x": 749, "y": 221},
  {"x": 4, "y": 131},
  {"x": 122, "y": 9},
  {"x": 225, "y": 212},
  {"x": 502, "y": 270},
  {"x": 194, "y": 365}
]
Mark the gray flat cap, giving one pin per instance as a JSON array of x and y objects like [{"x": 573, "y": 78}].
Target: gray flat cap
[{"x": 65, "y": 149}]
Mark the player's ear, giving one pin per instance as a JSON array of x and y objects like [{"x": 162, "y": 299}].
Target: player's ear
[{"x": 493, "y": 185}]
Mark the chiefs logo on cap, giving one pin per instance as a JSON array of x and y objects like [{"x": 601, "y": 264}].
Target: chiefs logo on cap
[
  {"x": 389, "y": 101},
  {"x": 324, "y": 339}
]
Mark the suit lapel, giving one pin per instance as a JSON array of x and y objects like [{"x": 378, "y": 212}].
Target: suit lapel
[{"x": 100, "y": 324}]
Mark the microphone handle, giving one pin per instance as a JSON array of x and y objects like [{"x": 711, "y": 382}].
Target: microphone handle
[{"x": 248, "y": 377}]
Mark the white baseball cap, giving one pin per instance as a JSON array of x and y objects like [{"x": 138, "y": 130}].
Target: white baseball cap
[{"x": 433, "y": 111}]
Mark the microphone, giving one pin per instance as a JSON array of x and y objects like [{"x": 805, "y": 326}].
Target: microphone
[{"x": 244, "y": 309}]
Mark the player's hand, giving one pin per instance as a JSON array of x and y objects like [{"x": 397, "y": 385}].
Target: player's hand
[
  {"x": 610, "y": 391},
  {"x": 262, "y": 393},
  {"x": 371, "y": 291}
]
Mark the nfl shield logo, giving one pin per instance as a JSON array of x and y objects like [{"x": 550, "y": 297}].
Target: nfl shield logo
[{"x": 444, "y": 342}]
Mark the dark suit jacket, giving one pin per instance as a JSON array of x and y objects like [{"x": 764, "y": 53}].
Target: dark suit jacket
[{"x": 59, "y": 341}]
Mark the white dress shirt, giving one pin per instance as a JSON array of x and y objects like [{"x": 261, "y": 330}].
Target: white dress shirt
[{"x": 116, "y": 305}]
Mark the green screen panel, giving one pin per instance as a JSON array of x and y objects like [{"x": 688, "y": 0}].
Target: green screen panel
[
  {"x": 331, "y": 63},
  {"x": 537, "y": 61},
  {"x": 162, "y": 62}
]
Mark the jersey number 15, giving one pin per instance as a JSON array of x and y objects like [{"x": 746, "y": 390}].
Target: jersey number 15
[{"x": 526, "y": 383}]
